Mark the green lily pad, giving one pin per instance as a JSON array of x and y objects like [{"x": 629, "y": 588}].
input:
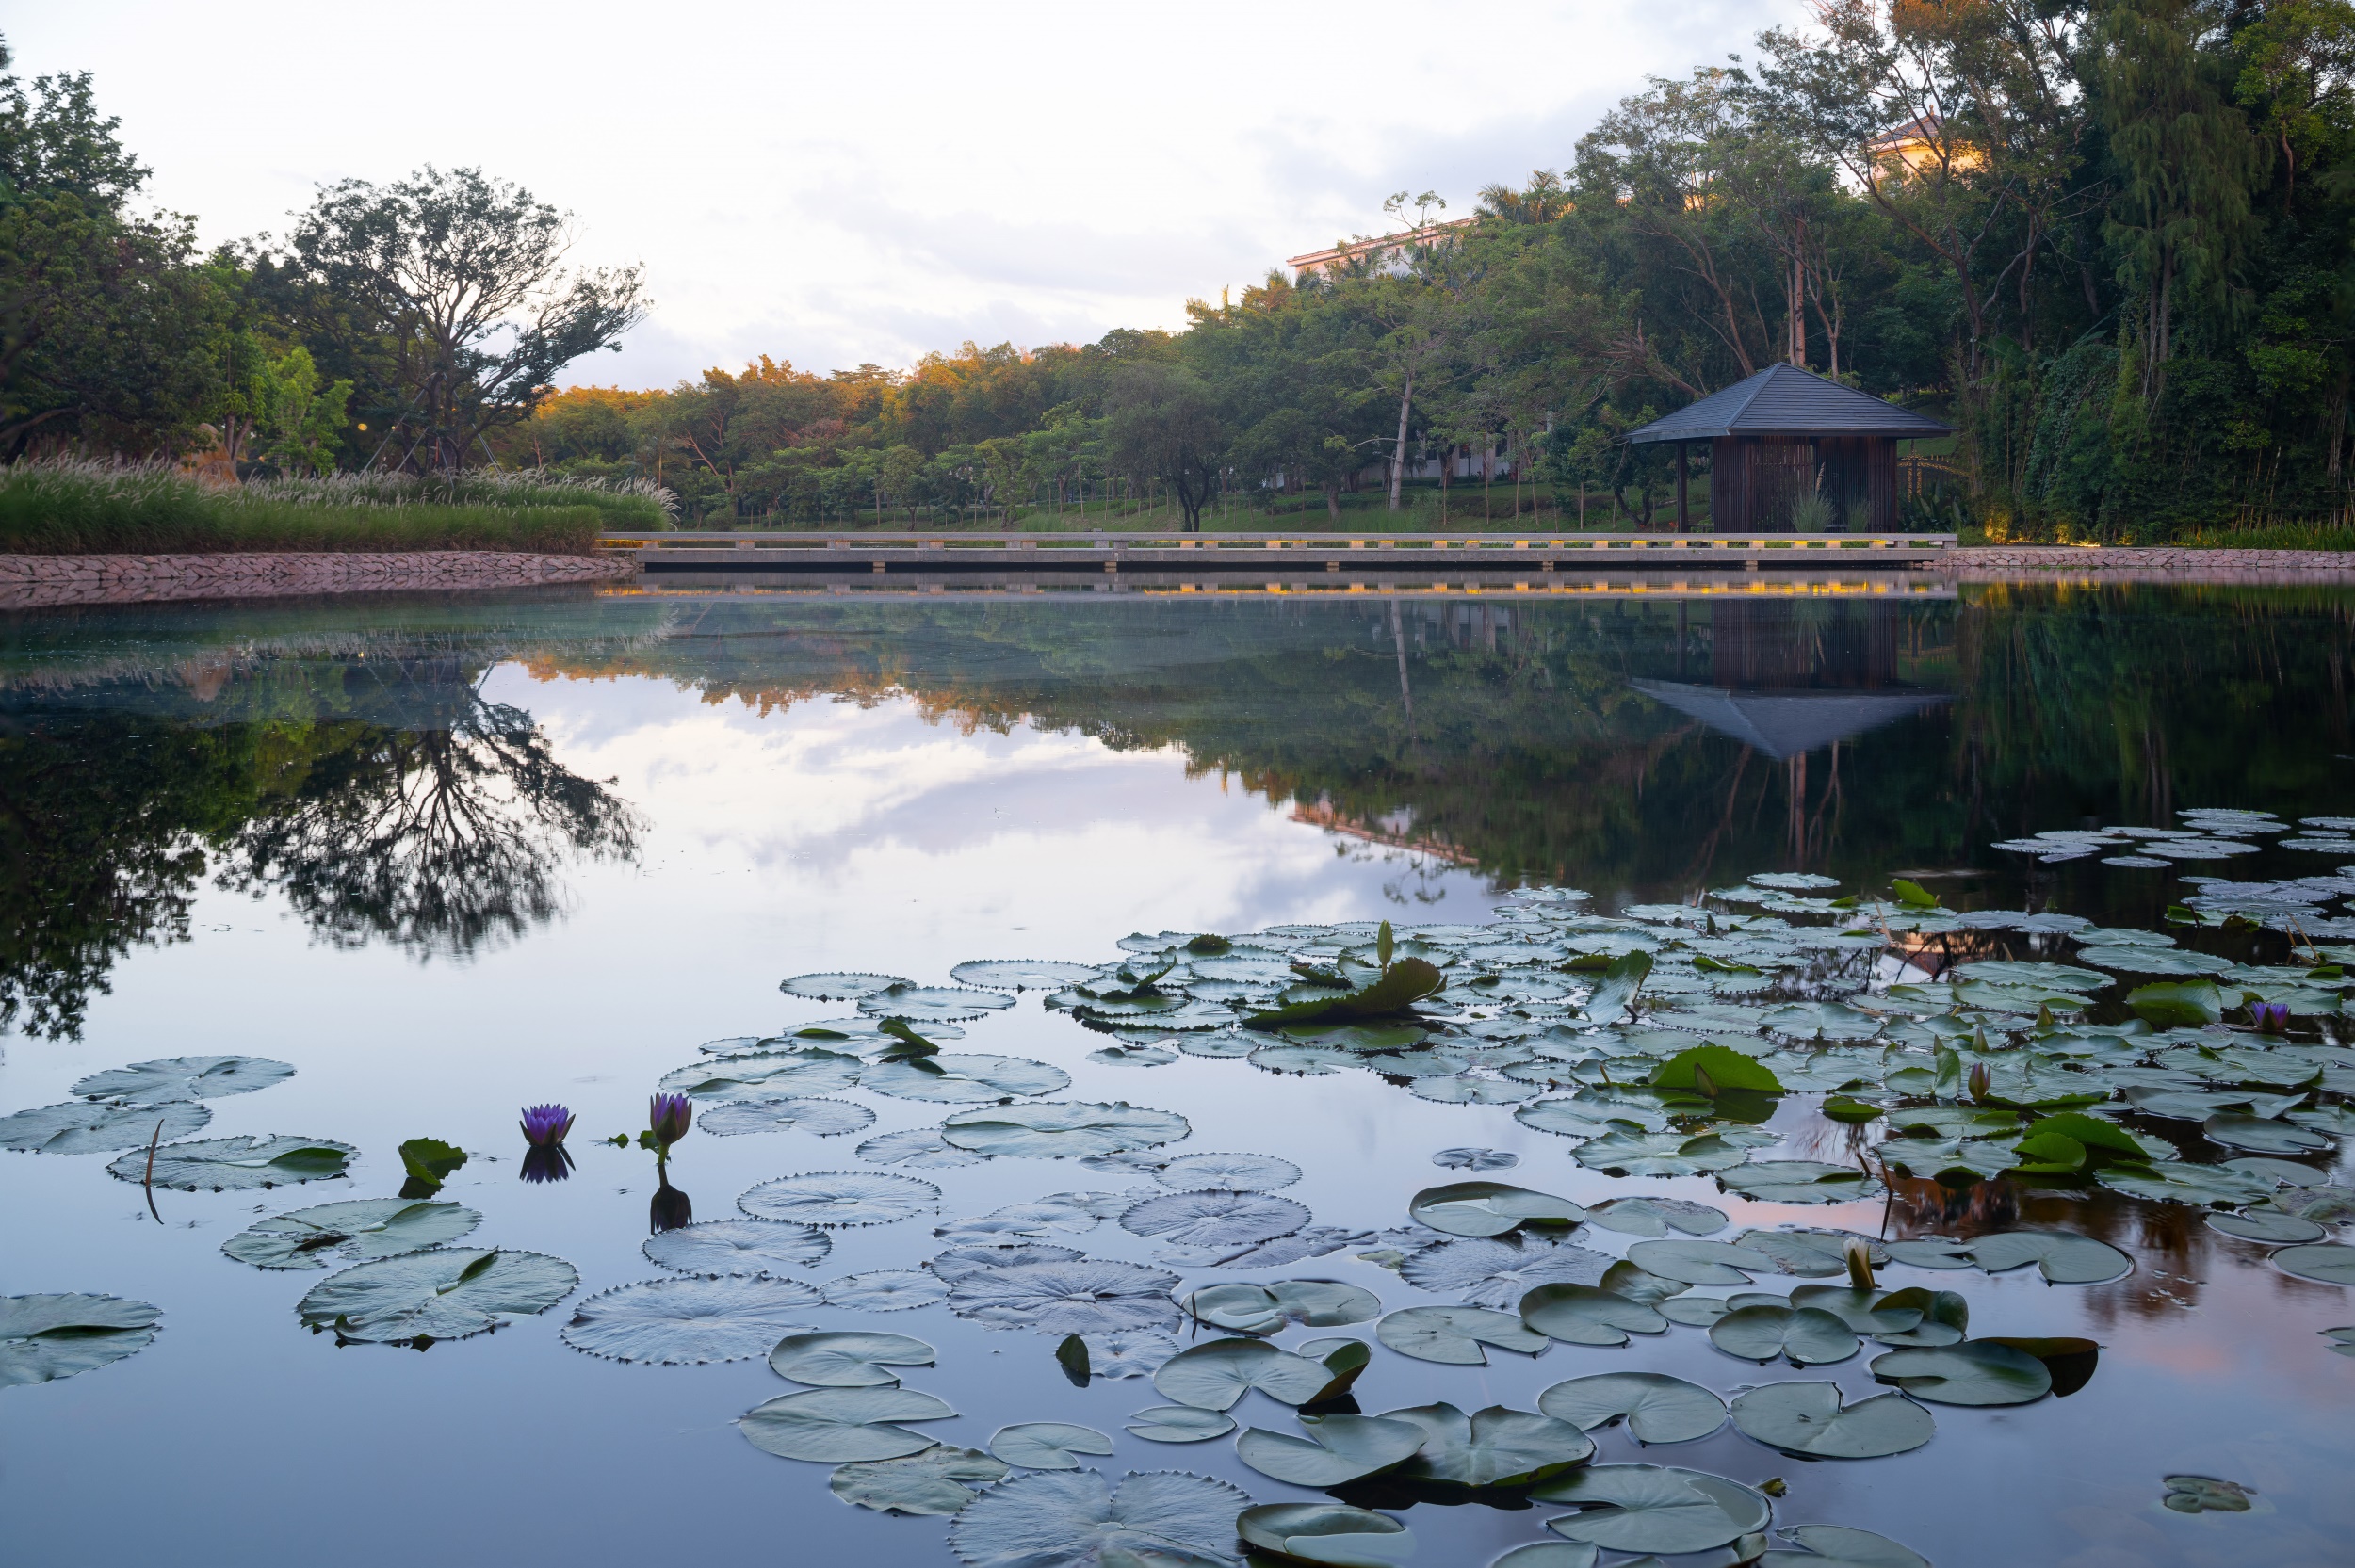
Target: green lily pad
[
  {"x": 765, "y": 1076},
  {"x": 1077, "y": 1519},
  {"x": 2063, "y": 1257},
  {"x": 840, "y": 1199},
  {"x": 361, "y": 1228},
  {"x": 1711, "y": 1069},
  {"x": 154, "y": 1083},
  {"x": 1657, "y": 1408},
  {"x": 1808, "y": 1335},
  {"x": 1216, "y": 1375},
  {"x": 1821, "y": 1021},
  {"x": 43, "y": 1338},
  {"x": 1047, "y": 1444},
  {"x": 2138, "y": 959},
  {"x": 234, "y": 1164},
  {"x": 1337, "y": 1449},
  {"x": 1180, "y": 1424},
  {"x": 2012, "y": 972},
  {"x": 1020, "y": 974},
  {"x": 1811, "y": 1254},
  {"x": 952, "y": 1079},
  {"x": 1258, "y": 1309},
  {"x": 1798, "y": 1180},
  {"x": 1224, "y": 1221},
  {"x": 1327, "y": 1533},
  {"x": 2203, "y": 1495},
  {"x": 1550, "y": 1553},
  {"x": 847, "y": 1360},
  {"x": 1227, "y": 1173},
  {"x": 1588, "y": 1315},
  {"x": 1497, "y": 1271},
  {"x": 84, "y": 1127},
  {"x": 2270, "y": 1227},
  {"x": 2180, "y": 1182},
  {"x": 738, "y": 1246},
  {"x": 1975, "y": 1372},
  {"x": 1944, "y": 1317},
  {"x": 820, "y": 1118},
  {"x": 690, "y": 1321},
  {"x": 1838, "y": 1546},
  {"x": 1061, "y": 1128},
  {"x": 1653, "y": 1507},
  {"x": 446, "y": 1293},
  {"x": 835, "y": 987},
  {"x": 937, "y": 1482},
  {"x": 1489, "y": 1208},
  {"x": 1699, "y": 1262},
  {"x": 1810, "y": 1418},
  {"x": 1495, "y": 1447},
  {"x": 2260, "y": 1135},
  {"x": 1064, "y": 1296},
  {"x": 1656, "y": 1216},
  {"x": 1666, "y": 1154},
  {"x": 2327, "y": 1264},
  {"x": 1455, "y": 1336},
  {"x": 837, "y": 1426},
  {"x": 1868, "y": 1311},
  {"x": 2170, "y": 1003}
]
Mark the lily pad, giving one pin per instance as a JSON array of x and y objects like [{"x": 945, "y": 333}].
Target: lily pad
[
  {"x": 963, "y": 1079},
  {"x": 1084, "y": 1295},
  {"x": 885, "y": 1290},
  {"x": 1455, "y": 1336},
  {"x": 1327, "y": 1533},
  {"x": 1799, "y": 1181},
  {"x": 837, "y": 1426},
  {"x": 1653, "y": 1507},
  {"x": 824, "y": 1118},
  {"x": 2063, "y": 1257},
  {"x": 1489, "y": 1208},
  {"x": 1811, "y": 1254},
  {"x": 1214, "y": 1218},
  {"x": 836, "y": 987},
  {"x": 738, "y": 1246},
  {"x": 947, "y": 1004},
  {"x": 839, "y": 1200},
  {"x": 1975, "y": 1372},
  {"x": 1074, "y": 1519},
  {"x": 1476, "y": 1159},
  {"x": 2261, "y": 1134},
  {"x": 1665, "y": 1154},
  {"x": 1022, "y": 974},
  {"x": 1263, "y": 1309},
  {"x": 918, "y": 1149},
  {"x": 1047, "y": 1444},
  {"x": 154, "y": 1083},
  {"x": 43, "y": 1338},
  {"x": 361, "y": 1228},
  {"x": 764, "y": 1075},
  {"x": 1699, "y": 1262},
  {"x": 689, "y": 1321},
  {"x": 1588, "y": 1315},
  {"x": 1656, "y": 1216},
  {"x": 2170, "y": 1003},
  {"x": 2270, "y": 1227},
  {"x": 1180, "y": 1424},
  {"x": 83, "y": 1128},
  {"x": 446, "y": 1293},
  {"x": 854, "y": 1359},
  {"x": 1492, "y": 1448},
  {"x": 1838, "y": 1546},
  {"x": 1549, "y": 1553},
  {"x": 1499, "y": 1271},
  {"x": 2327, "y": 1264},
  {"x": 937, "y": 1482},
  {"x": 1214, "y": 1376},
  {"x": 1810, "y": 1418},
  {"x": 1061, "y": 1128},
  {"x": 1808, "y": 1335},
  {"x": 1337, "y": 1449},
  {"x": 1657, "y": 1408},
  {"x": 233, "y": 1164},
  {"x": 1229, "y": 1172},
  {"x": 2180, "y": 1182}
]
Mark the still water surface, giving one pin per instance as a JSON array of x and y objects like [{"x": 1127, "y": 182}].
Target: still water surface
[{"x": 450, "y": 857}]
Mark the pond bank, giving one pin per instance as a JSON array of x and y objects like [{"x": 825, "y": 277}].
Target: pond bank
[
  {"x": 2147, "y": 563},
  {"x": 29, "y": 582}
]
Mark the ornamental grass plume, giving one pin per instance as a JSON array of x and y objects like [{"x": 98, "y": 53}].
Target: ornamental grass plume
[
  {"x": 668, "y": 1117},
  {"x": 545, "y": 1126}
]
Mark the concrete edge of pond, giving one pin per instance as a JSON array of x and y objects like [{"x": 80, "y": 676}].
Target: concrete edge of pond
[
  {"x": 2144, "y": 563},
  {"x": 31, "y": 582}
]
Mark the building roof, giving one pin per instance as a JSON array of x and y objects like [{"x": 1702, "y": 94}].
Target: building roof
[
  {"x": 1783, "y": 399},
  {"x": 1785, "y": 723},
  {"x": 1349, "y": 250}
]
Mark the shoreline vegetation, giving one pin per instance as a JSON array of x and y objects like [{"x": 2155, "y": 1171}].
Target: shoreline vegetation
[{"x": 67, "y": 506}]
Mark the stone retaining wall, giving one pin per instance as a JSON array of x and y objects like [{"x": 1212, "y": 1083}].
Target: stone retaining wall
[
  {"x": 2148, "y": 563},
  {"x": 32, "y": 581}
]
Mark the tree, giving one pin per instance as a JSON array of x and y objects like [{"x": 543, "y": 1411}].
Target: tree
[
  {"x": 463, "y": 279},
  {"x": 1163, "y": 424}
]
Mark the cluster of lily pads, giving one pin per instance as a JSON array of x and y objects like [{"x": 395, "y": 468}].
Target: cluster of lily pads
[{"x": 2207, "y": 834}]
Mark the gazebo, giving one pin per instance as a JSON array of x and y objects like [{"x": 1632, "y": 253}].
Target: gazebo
[{"x": 1785, "y": 433}]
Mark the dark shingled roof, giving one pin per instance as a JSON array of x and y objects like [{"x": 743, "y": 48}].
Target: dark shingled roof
[{"x": 1783, "y": 399}]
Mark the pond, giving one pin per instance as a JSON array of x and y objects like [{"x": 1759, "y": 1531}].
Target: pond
[{"x": 1904, "y": 1032}]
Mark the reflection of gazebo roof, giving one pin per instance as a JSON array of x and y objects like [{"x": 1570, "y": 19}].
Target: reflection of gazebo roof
[{"x": 1787, "y": 723}]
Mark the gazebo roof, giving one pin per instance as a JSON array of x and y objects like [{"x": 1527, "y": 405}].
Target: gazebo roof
[
  {"x": 1783, "y": 399},
  {"x": 1785, "y": 723}
]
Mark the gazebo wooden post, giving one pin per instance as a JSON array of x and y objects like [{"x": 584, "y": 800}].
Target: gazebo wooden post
[{"x": 1683, "y": 518}]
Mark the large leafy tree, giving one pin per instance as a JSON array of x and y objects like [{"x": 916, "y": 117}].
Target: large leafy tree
[{"x": 456, "y": 285}]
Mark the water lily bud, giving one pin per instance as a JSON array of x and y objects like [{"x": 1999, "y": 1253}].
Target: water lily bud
[
  {"x": 668, "y": 1117},
  {"x": 1861, "y": 1267},
  {"x": 1980, "y": 1080},
  {"x": 545, "y": 1126}
]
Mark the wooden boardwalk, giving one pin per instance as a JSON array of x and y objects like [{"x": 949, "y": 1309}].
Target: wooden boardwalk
[{"x": 886, "y": 552}]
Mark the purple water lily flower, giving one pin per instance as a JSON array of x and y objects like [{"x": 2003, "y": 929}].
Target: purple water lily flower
[
  {"x": 2272, "y": 1017},
  {"x": 668, "y": 1117},
  {"x": 545, "y": 1126}
]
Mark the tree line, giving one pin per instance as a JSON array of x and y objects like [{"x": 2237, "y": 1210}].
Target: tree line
[{"x": 2112, "y": 242}]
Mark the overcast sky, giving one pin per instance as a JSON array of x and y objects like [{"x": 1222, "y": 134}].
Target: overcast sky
[{"x": 833, "y": 184}]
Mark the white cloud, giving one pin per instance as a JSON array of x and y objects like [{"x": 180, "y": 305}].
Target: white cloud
[{"x": 834, "y": 184}]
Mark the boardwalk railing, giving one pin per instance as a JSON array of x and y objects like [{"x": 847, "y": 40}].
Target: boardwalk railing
[{"x": 886, "y": 550}]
